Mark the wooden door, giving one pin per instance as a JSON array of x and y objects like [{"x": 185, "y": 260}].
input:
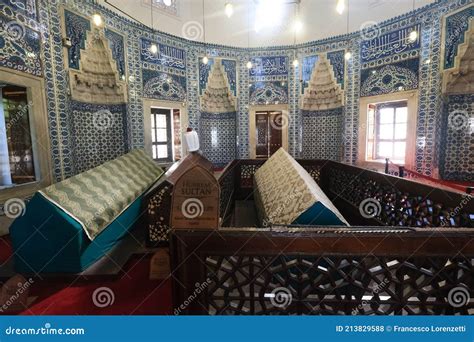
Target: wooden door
[
  {"x": 261, "y": 125},
  {"x": 275, "y": 131},
  {"x": 268, "y": 133}
]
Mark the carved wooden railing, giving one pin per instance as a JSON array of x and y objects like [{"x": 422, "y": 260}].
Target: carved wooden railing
[
  {"x": 324, "y": 271},
  {"x": 156, "y": 218},
  {"x": 227, "y": 183},
  {"x": 395, "y": 201}
]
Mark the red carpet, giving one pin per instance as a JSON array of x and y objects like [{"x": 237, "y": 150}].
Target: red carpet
[
  {"x": 130, "y": 293},
  {"x": 133, "y": 293}
]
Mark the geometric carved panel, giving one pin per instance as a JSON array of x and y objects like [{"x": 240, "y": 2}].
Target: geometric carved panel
[
  {"x": 399, "y": 208},
  {"x": 335, "y": 285}
]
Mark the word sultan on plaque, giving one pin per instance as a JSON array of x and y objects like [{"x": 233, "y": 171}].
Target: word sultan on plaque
[{"x": 195, "y": 201}]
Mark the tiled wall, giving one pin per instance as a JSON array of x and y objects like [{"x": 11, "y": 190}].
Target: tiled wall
[
  {"x": 99, "y": 133},
  {"x": 322, "y": 134},
  {"x": 218, "y": 137},
  {"x": 456, "y": 142},
  {"x": 457, "y": 138},
  {"x": 174, "y": 74}
]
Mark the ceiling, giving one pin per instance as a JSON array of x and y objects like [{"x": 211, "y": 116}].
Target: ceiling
[{"x": 184, "y": 18}]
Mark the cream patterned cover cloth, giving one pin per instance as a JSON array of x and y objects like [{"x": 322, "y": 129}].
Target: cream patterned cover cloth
[
  {"x": 98, "y": 196},
  {"x": 285, "y": 190}
]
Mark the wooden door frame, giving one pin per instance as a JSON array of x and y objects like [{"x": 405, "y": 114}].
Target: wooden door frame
[
  {"x": 168, "y": 113},
  {"x": 252, "y": 128},
  {"x": 183, "y": 117}
]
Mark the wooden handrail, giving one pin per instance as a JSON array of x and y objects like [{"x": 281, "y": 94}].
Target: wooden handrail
[{"x": 333, "y": 269}]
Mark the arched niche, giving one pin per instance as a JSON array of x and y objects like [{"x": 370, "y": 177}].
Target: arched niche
[
  {"x": 460, "y": 79},
  {"x": 97, "y": 80},
  {"x": 217, "y": 97},
  {"x": 323, "y": 91}
]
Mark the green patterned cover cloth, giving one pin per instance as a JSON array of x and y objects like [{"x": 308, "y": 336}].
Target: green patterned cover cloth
[
  {"x": 98, "y": 196},
  {"x": 285, "y": 191}
]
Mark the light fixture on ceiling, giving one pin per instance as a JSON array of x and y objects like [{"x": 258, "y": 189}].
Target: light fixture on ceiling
[
  {"x": 348, "y": 54},
  {"x": 97, "y": 19},
  {"x": 153, "y": 47},
  {"x": 205, "y": 59},
  {"x": 168, "y": 2},
  {"x": 296, "y": 19},
  {"x": 413, "y": 36},
  {"x": 229, "y": 9},
  {"x": 340, "y": 6},
  {"x": 249, "y": 63},
  {"x": 297, "y": 25}
]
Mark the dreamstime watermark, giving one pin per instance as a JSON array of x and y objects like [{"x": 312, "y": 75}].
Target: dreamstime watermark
[
  {"x": 351, "y": 134},
  {"x": 280, "y": 297},
  {"x": 106, "y": 205},
  {"x": 14, "y": 207},
  {"x": 46, "y": 330},
  {"x": 192, "y": 30},
  {"x": 458, "y": 296},
  {"x": 199, "y": 288},
  {"x": 192, "y": 208},
  {"x": 103, "y": 297},
  {"x": 370, "y": 208},
  {"x": 369, "y": 30},
  {"x": 376, "y": 290},
  {"x": 454, "y": 212},
  {"x": 281, "y": 122},
  {"x": 21, "y": 110},
  {"x": 16, "y": 113},
  {"x": 102, "y": 119},
  {"x": 22, "y": 287},
  {"x": 459, "y": 120},
  {"x": 288, "y": 200}
]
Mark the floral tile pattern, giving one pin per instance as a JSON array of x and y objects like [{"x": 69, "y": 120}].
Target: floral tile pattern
[{"x": 40, "y": 52}]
